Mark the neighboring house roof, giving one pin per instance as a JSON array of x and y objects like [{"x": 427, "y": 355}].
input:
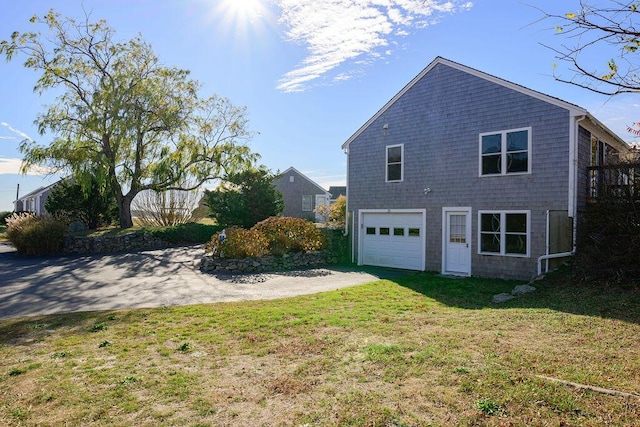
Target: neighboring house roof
[
  {"x": 574, "y": 110},
  {"x": 35, "y": 192},
  {"x": 40, "y": 190},
  {"x": 337, "y": 191},
  {"x": 292, "y": 169}
]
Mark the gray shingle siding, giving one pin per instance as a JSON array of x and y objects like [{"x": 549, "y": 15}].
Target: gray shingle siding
[
  {"x": 439, "y": 120},
  {"x": 292, "y": 193},
  {"x": 584, "y": 161}
]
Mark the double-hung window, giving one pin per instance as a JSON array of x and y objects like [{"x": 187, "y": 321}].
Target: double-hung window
[
  {"x": 307, "y": 203},
  {"x": 504, "y": 233},
  {"x": 505, "y": 152},
  {"x": 395, "y": 166}
]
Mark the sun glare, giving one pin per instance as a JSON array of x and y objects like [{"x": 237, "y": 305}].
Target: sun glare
[
  {"x": 243, "y": 9},
  {"x": 238, "y": 22}
]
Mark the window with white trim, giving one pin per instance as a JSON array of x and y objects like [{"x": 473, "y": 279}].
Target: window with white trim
[
  {"x": 506, "y": 152},
  {"x": 504, "y": 233},
  {"x": 395, "y": 166},
  {"x": 307, "y": 203}
]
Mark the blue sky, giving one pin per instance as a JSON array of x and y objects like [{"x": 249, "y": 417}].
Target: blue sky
[{"x": 310, "y": 72}]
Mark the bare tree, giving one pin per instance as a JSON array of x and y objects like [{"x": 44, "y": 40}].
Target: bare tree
[
  {"x": 161, "y": 208},
  {"x": 610, "y": 27}
]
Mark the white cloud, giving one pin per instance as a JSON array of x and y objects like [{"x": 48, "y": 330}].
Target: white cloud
[
  {"x": 20, "y": 134},
  {"x": 338, "y": 31},
  {"x": 11, "y": 166}
]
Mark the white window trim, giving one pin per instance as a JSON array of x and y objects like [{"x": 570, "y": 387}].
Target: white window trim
[
  {"x": 310, "y": 196},
  {"x": 503, "y": 241},
  {"x": 503, "y": 152},
  {"x": 386, "y": 163}
]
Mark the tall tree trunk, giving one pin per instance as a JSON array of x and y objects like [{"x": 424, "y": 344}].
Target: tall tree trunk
[{"x": 124, "y": 211}]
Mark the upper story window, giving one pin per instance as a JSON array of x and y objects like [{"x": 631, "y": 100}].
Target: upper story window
[
  {"x": 395, "y": 166},
  {"x": 504, "y": 233},
  {"x": 506, "y": 152}
]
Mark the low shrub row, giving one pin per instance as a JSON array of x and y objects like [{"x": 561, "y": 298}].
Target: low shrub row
[
  {"x": 190, "y": 232},
  {"x": 45, "y": 235},
  {"x": 273, "y": 236}
]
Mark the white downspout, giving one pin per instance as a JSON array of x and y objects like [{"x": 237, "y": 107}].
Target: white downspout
[
  {"x": 548, "y": 241},
  {"x": 572, "y": 207},
  {"x": 552, "y": 256}
]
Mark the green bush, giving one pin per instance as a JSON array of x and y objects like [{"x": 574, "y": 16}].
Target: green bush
[
  {"x": 286, "y": 234},
  {"x": 3, "y": 217},
  {"x": 239, "y": 243},
  {"x": 609, "y": 243},
  {"x": 338, "y": 211},
  {"x": 245, "y": 198},
  {"x": 92, "y": 204},
  {"x": 35, "y": 235},
  {"x": 275, "y": 236},
  {"x": 186, "y": 233}
]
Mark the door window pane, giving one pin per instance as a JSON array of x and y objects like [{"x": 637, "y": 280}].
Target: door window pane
[{"x": 457, "y": 229}]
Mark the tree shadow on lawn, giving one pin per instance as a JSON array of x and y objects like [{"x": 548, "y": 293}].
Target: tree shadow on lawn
[{"x": 556, "y": 292}]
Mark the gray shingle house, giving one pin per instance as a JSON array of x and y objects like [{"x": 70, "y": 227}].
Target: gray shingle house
[
  {"x": 35, "y": 200},
  {"x": 468, "y": 174},
  {"x": 337, "y": 191},
  {"x": 301, "y": 195}
]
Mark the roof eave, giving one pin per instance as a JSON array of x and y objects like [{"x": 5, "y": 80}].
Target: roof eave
[{"x": 573, "y": 109}]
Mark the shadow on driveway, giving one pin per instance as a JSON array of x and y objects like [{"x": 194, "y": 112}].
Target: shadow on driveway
[{"x": 47, "y": 285}]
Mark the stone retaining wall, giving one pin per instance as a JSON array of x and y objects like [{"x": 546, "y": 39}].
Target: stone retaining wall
[
  {"x": 214, "y": 264},
  {"x": 109, "y": 244}
]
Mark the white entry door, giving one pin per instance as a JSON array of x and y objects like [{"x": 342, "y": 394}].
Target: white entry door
[{"x": 456, "y": 241}]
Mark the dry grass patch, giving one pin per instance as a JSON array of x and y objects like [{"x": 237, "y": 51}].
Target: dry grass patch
[{"x": 422, "y": 350}]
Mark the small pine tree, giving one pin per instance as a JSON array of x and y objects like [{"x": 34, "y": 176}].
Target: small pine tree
[
  {"x": 92, "y": 204},
  {"x": 245, "y": 199}
]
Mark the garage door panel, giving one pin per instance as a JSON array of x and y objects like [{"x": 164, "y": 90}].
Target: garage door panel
[{"x": 393, "y": 240}]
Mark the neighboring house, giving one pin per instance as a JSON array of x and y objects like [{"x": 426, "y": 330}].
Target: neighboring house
[
  {"x": 301, "y": 195},
  {"x": 337, "y": 191},
  {"x": 468, "y": 174},
  {"x": 35, "y": 200}
]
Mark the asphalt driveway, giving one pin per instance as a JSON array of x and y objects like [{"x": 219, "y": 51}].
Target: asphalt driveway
[{"x": 35, "y": 286}]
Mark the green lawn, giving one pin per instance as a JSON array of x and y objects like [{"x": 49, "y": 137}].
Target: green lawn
[{"x": 420, "y": 350}]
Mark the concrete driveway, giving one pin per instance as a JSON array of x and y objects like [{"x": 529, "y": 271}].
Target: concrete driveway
[{"x": 35, "y": 286}]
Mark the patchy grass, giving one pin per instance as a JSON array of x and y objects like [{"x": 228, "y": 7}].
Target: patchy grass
[
  {"x": 3, "y": 235},
  {"x": 420, "y": 350}
]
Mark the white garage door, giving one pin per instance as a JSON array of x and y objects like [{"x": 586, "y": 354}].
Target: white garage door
[{"x": 393, "y": 239}]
